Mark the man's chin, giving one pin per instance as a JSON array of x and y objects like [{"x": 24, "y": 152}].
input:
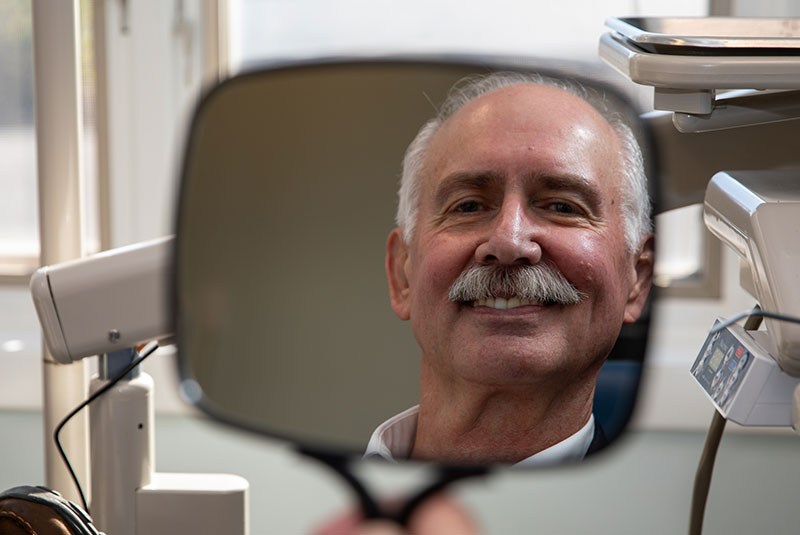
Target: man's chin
[
  {"x": 532, "y": 321},
  {"x": 504, "y": 360}
]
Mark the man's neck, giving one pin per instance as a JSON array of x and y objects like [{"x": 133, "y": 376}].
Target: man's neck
[{"x": 481, "y": 424}]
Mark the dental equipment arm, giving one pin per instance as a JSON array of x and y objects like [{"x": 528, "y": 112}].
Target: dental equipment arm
[
  {"x": 750, "y": 375},
  {"x": 106, "y": 305}
]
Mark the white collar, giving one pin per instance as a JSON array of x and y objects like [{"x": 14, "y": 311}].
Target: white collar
[{"x": 394, "y": 439}]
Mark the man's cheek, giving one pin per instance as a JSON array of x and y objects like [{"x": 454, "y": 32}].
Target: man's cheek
[
  {"x": 583, "y": 265},
  {"x": 438, "y": 274}
]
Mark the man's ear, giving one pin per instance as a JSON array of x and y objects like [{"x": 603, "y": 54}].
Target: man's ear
[
  {"x": 643, "y": 267},
  {"x": 396, "y": 273}
]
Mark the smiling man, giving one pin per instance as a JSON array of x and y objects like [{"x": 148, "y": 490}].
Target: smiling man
[{"x": 523, "y": 245}]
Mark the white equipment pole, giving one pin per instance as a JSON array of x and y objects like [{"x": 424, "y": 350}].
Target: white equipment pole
[{"x": 58, "y": 126}]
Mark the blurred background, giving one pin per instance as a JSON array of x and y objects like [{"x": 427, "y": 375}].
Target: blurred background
[{"x": 158, "y": 57}]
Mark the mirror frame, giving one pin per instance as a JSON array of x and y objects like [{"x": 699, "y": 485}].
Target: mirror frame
[{"x": 631, "y": 335}]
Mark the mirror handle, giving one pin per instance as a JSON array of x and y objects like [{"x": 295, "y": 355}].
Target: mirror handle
[{"x": 370, "y": 508}]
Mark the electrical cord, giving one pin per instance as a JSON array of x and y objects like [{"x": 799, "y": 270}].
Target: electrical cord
[
  {"x": 143, "y": 354},
  {"x": 702, "y": 478},
  {"x": 754, "y": 312}
]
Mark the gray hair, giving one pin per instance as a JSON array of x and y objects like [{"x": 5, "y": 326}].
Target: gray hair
[{"x": 635, "y": 199}]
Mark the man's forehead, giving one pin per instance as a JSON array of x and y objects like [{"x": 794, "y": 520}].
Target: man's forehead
[
  {"x": 529, "y": 104},
  {"x": 547, "y": 121}
]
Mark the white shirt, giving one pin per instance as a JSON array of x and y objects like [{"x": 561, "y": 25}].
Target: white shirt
[{"x": 394, "y": 439}]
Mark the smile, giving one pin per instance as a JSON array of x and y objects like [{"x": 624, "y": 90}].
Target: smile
[{"x": 501, "y": 303}]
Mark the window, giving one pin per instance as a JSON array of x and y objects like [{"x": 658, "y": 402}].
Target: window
[
  {"x": 687, "y": 255},
  {"x": 153, "y": 66},
  {"x": 19, "y": 229}
]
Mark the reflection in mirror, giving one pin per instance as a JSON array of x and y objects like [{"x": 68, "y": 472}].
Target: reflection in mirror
[{"x": 525, "y": 247}]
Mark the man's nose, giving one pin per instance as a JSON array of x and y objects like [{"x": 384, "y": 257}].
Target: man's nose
[{"x": 513, "y": 237}]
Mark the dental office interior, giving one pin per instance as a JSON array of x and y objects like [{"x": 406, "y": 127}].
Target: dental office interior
[{"x": 144, "y": 64}]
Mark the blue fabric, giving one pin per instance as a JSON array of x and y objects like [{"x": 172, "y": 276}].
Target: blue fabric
[{"x": 615, "y": 395}]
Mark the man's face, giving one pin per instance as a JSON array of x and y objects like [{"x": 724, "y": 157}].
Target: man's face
[{"x": 523, "y": 175}]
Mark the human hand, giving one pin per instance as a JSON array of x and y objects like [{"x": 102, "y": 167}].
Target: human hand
[{"x": 438, "y": 515}]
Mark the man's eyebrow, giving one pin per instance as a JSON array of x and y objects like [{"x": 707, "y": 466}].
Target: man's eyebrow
[
  {"x": 465, "y": 180},
  {"x": 576, "y": 183}
]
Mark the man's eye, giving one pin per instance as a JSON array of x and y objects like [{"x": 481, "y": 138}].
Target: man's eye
[
  {"x": 563, "y": 207},
  {"x": 468, "y": 206}
]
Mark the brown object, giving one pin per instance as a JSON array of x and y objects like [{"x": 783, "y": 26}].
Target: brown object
[{"x": 41, "y": 511}]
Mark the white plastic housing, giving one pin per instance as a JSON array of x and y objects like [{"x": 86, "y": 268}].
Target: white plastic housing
[
  {"x": 757, "y": 213},
  {"x": 129, "y": 497},
  {"x": 760, "y": 393},
  {"x": 122, "y": 451},
  {"x": 193, "y": 503},
  {"x": 124, "y": 291}
]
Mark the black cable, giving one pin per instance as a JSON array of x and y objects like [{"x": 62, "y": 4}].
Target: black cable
[
  {"x": 757, "y": 312},
  {"x": 146, "y": 352}
]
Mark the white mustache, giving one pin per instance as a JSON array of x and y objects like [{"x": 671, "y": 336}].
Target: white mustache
[{"x": 538, "y": 282}]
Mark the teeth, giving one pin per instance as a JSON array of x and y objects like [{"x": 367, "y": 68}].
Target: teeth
[{"x": 502, "y": 303}]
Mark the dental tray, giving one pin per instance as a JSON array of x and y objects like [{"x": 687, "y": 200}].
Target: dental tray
[
  {"x": 716, "y": 36},
  {"x": 704, "y": 54}
]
